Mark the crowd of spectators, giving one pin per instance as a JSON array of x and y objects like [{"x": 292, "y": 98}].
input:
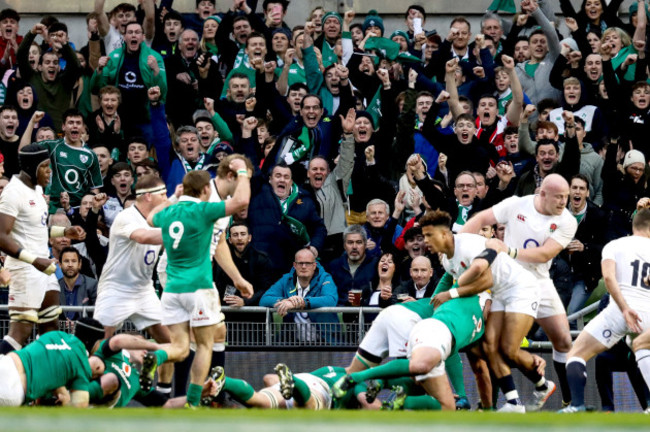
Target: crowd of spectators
[{"x": 354, "y": 132}]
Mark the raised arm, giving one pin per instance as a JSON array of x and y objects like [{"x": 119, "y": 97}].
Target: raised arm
[
  {"x": 102, "y": 18},
  {"x": 516, "y": 106},
  {"x": 450, "y": 83},
  {"x": 149, "y": 24},
  {"x": 242, "y": 195}
]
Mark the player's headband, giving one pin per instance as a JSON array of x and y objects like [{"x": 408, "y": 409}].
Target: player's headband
[{"x": 154, "y": 190}]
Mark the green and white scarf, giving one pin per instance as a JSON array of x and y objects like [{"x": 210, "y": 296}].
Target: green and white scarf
[{"x": 297, "y": 228}]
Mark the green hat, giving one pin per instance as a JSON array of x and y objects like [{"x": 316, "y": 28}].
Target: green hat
[
  {"x": 634, "y": 8},
  {"x": 332, "y": 14},
  {"x": 400, "y": 33},
  {"x": 373, "y": 20},
  {"x": 214, "y": 18}
]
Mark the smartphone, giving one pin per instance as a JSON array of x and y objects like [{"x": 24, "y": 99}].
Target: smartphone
[{"x": 417, "y": 25}]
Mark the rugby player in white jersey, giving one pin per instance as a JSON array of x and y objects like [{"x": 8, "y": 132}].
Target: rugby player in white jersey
[
  {"x": 538, "y": 227},
  {"x": 125, "y": 288},
  {"x": 626, "y": 270},
  {"x": 24, "y": 238},
  {"x": 468, "y": 258}
]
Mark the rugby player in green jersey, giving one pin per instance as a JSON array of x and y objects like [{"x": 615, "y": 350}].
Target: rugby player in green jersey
[
  {"x": 55, "y": 365},
  {"x": 190, "y": 300}
]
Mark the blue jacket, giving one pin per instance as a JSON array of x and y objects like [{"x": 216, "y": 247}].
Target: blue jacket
[
  {"x": 362, "y": 279},
  {"x": 275, "y": 238},
  {"x": 322, "y": 293}
]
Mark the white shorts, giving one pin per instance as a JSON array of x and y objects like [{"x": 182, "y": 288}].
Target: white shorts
[
  {"x": 320, "y": 391},
  {"x": 52, "y": 283},
  {"x": 114, "y": 307},
  {"x": 431, "y": 333},
  {"x": 11, "y": 390},
  {"x": 201, "y": 308},
  {"x": 389, "y": 333},
  {"x": 27, "y": 287},
  {"x": 550, "y": 303},
  {"x": 609, "y": 326},
  {"x": 522, "y": 299}
]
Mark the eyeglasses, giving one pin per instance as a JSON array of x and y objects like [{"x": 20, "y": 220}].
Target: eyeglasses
[
  {"x": 465, "y": 186},
  {"x": 304, "y": 263},
  {"x": 636, "y": 169}
]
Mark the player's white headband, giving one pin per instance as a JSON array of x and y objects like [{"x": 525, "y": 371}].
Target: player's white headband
[{"x": 154, "y": 190}]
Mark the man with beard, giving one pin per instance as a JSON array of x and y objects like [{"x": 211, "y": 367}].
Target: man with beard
[
  {"x": 75, "y": 168},
  {"x": 547, "y": 156},
  {"x": 52, "y": 86},
  {"x": 133, "y": 69},
  {"x": 354, "y": 269},
  {"x": 121, "y": 176},
  {"x": 9, "y": 140},
  {"x": 76, "y": 288},
  {"x": 327, "y": 188}
]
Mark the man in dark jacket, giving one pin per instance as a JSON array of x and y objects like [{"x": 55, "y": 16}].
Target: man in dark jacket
[
  {"x": 422, "y": 283},
  {"x": 584, "y": 253},
  {"x": 283, "y": 219},
  {"x": 76, "y": 288},
  {"x": 354, "y": 269}
]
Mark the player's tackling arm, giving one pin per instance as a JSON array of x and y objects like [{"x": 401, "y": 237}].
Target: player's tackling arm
[
  {"x": 479, "y": 220},
  {"x": 541, "y": 254},
  {"x": 156, "y": 210},
  {"x": 147, "y": 236}
]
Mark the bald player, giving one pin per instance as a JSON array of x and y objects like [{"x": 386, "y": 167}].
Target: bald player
[{"x": 538, "y": 227}]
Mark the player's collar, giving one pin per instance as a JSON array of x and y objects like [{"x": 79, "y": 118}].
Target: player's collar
[{"x": 189, "y": 198}]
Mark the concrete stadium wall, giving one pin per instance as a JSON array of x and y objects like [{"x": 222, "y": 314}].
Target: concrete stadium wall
[{"x": 440, "y": 12}]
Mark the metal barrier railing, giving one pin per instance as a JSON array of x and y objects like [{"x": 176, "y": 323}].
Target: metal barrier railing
[{"x": 272, "y": 333}]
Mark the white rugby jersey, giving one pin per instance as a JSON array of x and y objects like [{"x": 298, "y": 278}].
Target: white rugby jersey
[
  {"x": 29, "y": 209},
  {"x": 527, "y": 228},
  {"x": 632, "y": 257},
  {"x": 129, "y": 266},
  {"x": 506, "y": 272},
  {"x": 220, "y": 225}
]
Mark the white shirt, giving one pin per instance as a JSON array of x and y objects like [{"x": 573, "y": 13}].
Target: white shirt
[
  {"x": 527, "y": 228},
  {"x": 29, "y": 209},
  {"x": 506, "y": 272},
  {"x": 632, "y": 257},
  {"x": 113, "y": 39},
  {"x": 129, "y": 266},
  {"x": 221, "y": 224}
]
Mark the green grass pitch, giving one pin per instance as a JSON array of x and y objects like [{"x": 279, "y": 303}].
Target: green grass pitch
[{"x": 158, "y": 420}]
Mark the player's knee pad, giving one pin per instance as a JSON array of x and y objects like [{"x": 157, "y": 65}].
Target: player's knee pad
[
  {"x": 25, "y": 317},
  {"x": 49, "y": 314},
  {"x": 271, "y": 397}
]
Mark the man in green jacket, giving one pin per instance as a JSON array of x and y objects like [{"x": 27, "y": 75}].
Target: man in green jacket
[{"x": 133, "y": 69}]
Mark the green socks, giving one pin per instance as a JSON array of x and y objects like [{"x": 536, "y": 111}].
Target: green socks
[
  {"x": 454, "y": 368},
  {"x": 424, "y": 402},
  {"x": 239, "y": 388},
  {"x": 393, "y": 369},
  {"x": 161, "y": 356},
  {"x": 194, "y": 394},
  {"x": 301, "y": 392}
]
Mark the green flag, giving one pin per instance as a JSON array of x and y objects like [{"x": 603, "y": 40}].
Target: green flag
[
  {"x": 386, "y": 47},
  {"x": 374, "y": 108},
  {"x": 503, "y": 6}
]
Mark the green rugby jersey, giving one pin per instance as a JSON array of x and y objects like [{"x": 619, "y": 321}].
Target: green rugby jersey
[
  {"x": 119, "y": 363},
  {"x": 187, "y": 232},
  {"x": 53, "y": 360}
]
